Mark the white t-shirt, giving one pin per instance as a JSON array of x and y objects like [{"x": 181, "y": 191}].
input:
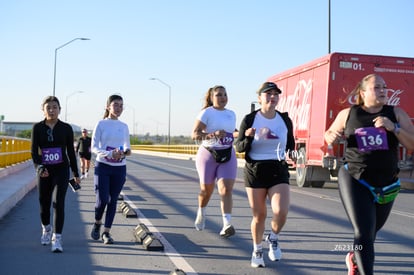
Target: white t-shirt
[
  {"x": 110, "y": 134},
  {"x": 270, "y": 138},
  {"x": 218, "y": 120}
]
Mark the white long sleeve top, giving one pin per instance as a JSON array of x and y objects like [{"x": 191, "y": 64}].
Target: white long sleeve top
[{"x": 110, "y": 134}]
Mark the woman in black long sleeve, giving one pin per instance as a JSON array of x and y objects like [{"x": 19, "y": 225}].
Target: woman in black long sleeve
[{"x": 53, "y": 153}]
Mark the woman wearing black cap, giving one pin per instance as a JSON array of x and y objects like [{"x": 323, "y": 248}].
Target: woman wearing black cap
[{"x": 265, "y": 136}]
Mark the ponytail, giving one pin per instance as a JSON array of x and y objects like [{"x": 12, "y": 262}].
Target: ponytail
[
  {"x": 361, "y": 86},
  {"x": 208, "y": 96},
  {"x": 109, "y": 101}
]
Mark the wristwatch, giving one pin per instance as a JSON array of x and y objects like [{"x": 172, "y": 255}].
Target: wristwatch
[{"x": 397, "y": 128}]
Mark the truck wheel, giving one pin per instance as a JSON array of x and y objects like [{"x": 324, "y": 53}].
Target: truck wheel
[
  {"x": 318, "y": 184},
  {"x": 306, "y": 175},
  {"x": 334, "y": 173},
  {"x": 302, "y": 169}
]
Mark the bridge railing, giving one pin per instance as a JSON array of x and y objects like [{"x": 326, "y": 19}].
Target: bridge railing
[
  {"x": 14, "y": 150},
  {"x": 188, "y": 149},
  {"x": 177, "y": 149}
]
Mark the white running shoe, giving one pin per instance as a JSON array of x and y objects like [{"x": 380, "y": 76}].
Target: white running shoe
[
  {"x": 227, "y": 231},
  {"x": 275, "y": 253},
  {"x": 46, "y": 237},
  {"x": 107, "y": 238},
  {"x": 86, "y": 175},
  {"x": 57, "y": 244},
  {"x": 257, "y": 259},
  {"x": 200, "y": 222}
]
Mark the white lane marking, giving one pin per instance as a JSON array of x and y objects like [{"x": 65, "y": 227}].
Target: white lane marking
[
  {"x": 169, "y": 250},
  {"x": 402, "y": 213},
  {"x": 325, "y": 197}
]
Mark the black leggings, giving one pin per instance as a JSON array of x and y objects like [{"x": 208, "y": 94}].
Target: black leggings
[
  {"x": 366, "y": 216},
  {"x": 53, "y": 187}
]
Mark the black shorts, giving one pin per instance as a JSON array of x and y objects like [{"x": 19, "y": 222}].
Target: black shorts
[
  {"x": 266, "y": 173},
  {"x": 86, "y": 156}
]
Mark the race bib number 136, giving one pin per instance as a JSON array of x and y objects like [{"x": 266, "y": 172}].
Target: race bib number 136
[{"x": 371, "y": 138}]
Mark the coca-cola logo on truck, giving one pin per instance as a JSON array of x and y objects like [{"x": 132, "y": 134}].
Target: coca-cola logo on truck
[{"x": 298, "y": 104}]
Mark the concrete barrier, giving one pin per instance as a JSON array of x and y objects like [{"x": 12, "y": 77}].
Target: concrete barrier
[{"x": 15, "y": 182}]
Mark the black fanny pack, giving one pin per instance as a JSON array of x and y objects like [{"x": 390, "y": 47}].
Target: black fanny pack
[{"x": 221, "y": 155}]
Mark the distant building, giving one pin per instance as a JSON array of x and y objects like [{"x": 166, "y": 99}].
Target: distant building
[{"x": 9, "y": 128}]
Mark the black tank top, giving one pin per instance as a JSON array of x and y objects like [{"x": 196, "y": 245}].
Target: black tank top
[
  {"x": 378, "y": 167},
  {"x": 84, "y": 144}
]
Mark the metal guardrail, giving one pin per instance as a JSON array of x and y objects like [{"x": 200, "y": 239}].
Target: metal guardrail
[
  {"x": 189, "y": 149},
  {"x": 14, "y": 150},
  {"x": 177, "y": 149}
]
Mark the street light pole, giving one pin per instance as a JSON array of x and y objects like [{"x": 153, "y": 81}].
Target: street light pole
[
  {"x": 66, "y": 104},
  {"x": 329, "y": 26},
  {"x": 54, "y": 70},
  {"x": 169, "y": 107},
  {"x": 133, "y": 118}
]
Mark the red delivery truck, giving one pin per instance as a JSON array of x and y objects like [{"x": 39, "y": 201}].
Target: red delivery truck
[{"x": 315, "y": 92}]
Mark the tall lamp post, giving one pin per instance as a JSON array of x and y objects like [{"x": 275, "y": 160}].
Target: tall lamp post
[
  {"x": 329, "y": 26},
  {"x": 133, "y": 118},
  {"x": 54, "y": 71},
  {"x": 169, "y": 106},
  {"x": 66, "y": 104}
]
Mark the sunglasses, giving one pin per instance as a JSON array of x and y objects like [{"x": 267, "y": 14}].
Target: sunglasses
[{"x": 49, "y": 135}]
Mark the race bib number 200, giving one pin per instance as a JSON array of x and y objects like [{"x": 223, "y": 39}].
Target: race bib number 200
[
  {"x": 371, "y": 138},
  {"x": 52, "y": 155}
]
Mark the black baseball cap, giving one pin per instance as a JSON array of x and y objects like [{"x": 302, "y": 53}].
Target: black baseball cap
[{"x": 267, "y": 86}]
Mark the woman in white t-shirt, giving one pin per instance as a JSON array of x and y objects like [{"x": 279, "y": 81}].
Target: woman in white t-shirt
[
  {"x": 216, "y": 159},
  {"x": 266, "y": 137}
]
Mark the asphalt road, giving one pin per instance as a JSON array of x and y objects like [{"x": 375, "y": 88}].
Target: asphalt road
[{"x": 163, "y": 192}]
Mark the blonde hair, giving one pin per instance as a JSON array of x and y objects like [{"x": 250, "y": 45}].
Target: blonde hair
[{"x": 361, "y": 86}]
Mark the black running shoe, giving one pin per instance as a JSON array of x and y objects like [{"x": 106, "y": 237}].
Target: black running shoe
[{"x": 96, "y": 231}]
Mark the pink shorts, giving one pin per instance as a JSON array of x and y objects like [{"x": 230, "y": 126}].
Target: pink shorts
[{"x": 209, "y": 170}]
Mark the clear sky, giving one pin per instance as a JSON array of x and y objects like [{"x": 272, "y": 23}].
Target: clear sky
[{"x": 189, "y": 44}]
